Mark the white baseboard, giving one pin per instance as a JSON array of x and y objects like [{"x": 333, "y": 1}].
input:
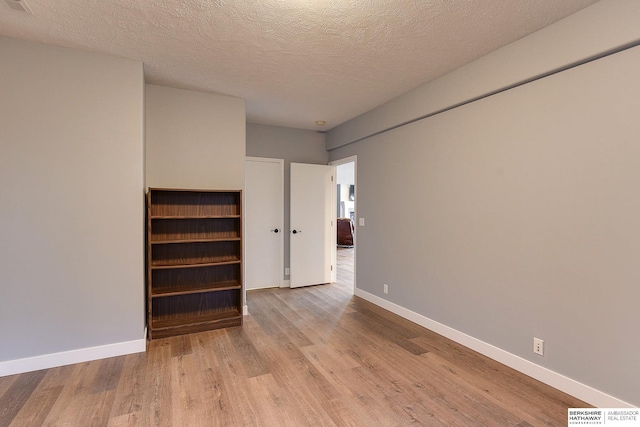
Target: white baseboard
[
  {"x": 45, "y": 361},
  {"x": 245, "y": 310},
  {"x": 547, "y": 376},
  {"x": 286, "y": 284}
]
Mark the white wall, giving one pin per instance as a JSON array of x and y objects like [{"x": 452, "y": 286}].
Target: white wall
[
  {"x": 71, "y": 205},
  {"x": 345, "y": 177},
  {"x": 292, "y": 145},
  {"x": 521, "y": 218},
  {"x": 194, "y": 139}
]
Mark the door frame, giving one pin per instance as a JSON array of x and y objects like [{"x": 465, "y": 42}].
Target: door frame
[
  {"x": 334, "y": 249},
  {"x": 281, "y": 208}
]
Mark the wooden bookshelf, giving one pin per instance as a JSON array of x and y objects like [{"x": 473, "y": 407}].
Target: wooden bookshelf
[{"x": 194, "y": 260}]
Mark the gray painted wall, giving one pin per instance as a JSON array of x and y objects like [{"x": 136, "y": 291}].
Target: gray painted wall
[
  {"x": 520, "y": 218},
  {"x": 194, "y": 139},
  {"x": 604, "y": 26},
  {"x": 292, "y": 145},
  {"x": 71, "y": 200}
]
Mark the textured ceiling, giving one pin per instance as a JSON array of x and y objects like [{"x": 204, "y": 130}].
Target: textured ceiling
[{"x": 294, "y": 61}]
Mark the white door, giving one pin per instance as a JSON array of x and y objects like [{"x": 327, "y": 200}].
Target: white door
[
  {"x": 310, "y": 235},
  {"x": 264, "y": 218}
]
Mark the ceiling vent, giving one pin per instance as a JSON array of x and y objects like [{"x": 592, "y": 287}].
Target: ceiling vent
[{"x": 19, "y": 5}]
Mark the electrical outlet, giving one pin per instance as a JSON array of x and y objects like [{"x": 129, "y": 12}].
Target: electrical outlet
[
  {"x": 361, "y": 222},
  {"x": 538, "y": 346},
  {"x": 385, "y": 288},
  {"x": 286, "y": 271}
]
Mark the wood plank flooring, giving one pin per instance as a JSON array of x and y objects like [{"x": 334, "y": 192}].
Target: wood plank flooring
[
  {"x": 345, "y": 266},
  {"x": 315, "y": 356}
]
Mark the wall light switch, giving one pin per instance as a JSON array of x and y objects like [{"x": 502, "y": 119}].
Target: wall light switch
[{"x": 361, "y": 222}]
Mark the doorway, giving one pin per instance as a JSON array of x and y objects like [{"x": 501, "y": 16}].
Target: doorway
[{"x": 346, "y": 216}]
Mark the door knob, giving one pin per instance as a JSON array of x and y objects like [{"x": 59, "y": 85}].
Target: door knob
[
  {"x": 275, "y": 230},
  {"x": 296, "y": 231}
]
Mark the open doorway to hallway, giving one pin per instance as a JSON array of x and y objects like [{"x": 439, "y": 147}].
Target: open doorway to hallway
[{"x": 345, "y": 222}]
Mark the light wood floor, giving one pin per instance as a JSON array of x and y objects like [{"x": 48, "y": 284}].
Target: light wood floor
[
  {"x": 345, "y": 267},
  {"x": 315, "y": 356}
]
